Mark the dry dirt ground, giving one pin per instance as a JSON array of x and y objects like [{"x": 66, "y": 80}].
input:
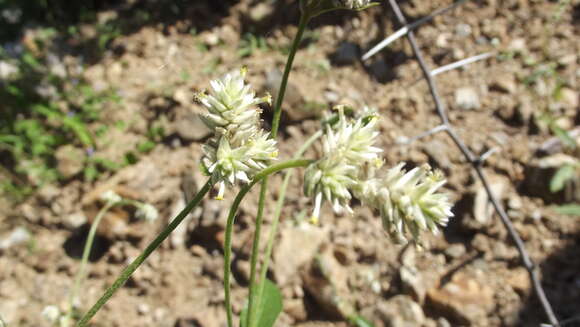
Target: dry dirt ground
[{"x": 469, "y": 275}]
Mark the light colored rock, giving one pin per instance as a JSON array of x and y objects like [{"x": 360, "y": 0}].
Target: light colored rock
[
  {"x": 462, "y": 30},
  {"x": 75, "y": 220},
  {"x": 569, "y": 98},
  {"x": 70, "y": 160},
  {"x": 455, "y": 251},
  {"x": 463, "y": 299},
  {"x": 261, "y": 11},
  {"x": 297, "y": 247},
  {"x": 400, "y": 311},
  {"x": 518, "y": 45},
  {"x": 519, "y": 280},
  {"x": 413, "y": 284},
  {"x": 326, "y": 281},
  {"x": 18, "y": 236},
  {"x": 467, "y": 98},
  {"x": 482, "y": 208},
  {"x": 505, "y": 83}
]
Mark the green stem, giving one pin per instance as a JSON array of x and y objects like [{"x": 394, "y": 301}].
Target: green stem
[
  {"x": 276, "y": 218},
  {"x": 130, "y": 269},
  {"x": 304, "y": 18},
  {"x": 255, "y": 252},
  {"x": 85, "y": 258},
  {"x": 230, "y": 225}
]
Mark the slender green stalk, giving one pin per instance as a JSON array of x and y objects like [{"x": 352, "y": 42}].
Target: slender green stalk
[
  {"x": 256, "y": 252},
  {"x": 304, "y": 18},
  {"x": 230, "y": 225},
  {"x": 130, "y": 269},
  {"x": 85, "y": 258},
  {"x": 276, "y": 218}
]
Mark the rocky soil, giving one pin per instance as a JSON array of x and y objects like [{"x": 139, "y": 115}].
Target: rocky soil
[{"x": 469, "y": 276}]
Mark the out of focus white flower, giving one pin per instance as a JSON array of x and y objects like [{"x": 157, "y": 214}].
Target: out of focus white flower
[
  {"x": 51, "y": 313},
  {"x": 7, "y": 69},
  {"x": 147, "y": 212},
  {"x": 111, "y": 197},
  {"x": 240, "y": 148},
  {"x": 351, "y": 4},
  {"x": 408, "y": 201},
  {"x": 347, "y": 148}
]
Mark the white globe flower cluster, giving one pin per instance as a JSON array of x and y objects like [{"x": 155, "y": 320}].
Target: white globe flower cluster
[
  {"x": 408, "y": 202},
  {"x": 347, "y": 148},
  {"x": 240, "y": 148}
]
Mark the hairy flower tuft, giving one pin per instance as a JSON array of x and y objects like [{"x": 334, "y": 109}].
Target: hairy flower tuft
[
  {"x": 347, "y": 148},
  {"x": 408, "y": 201},
  {"x": 240, "y": 148}
]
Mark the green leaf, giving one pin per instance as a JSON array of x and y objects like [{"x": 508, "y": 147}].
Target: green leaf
[
  {"x": 559, "y": 179},
  {"x": 359, "y": 321},
  {"x": 269, "y": 306},
  {"x": 569, "y": 209},
  {"x": 564, "y": 136}
]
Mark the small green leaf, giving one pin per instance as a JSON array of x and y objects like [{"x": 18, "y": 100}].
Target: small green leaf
[
  {"x": 569, "y": 209},
  {"x": 359, "y": 321},
  {"x": 559, "y": 179},
  {"x": 564, "y": 136},
  {"x": 269, "y": 306}
]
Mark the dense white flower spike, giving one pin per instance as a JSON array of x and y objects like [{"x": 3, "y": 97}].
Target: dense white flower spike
[
  {"x": 351, "y": 4},
  {"x": 407, "y": 201},
  {"x": 239, "y": 148},
  {"x": 347, "y": 148}
]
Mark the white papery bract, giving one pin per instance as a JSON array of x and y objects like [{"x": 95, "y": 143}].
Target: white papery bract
[
  {"x": 240, "y": 148},
  {"x": 408, "y": 201},
  {"x": 346, "y": 147}
]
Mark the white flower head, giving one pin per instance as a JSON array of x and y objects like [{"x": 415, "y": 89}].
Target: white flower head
[
  {"x": 408, "y": 201},
  {"x": 347, "y": 148},
  {"x": 231, "y": 107},
  {"x": 51, "y": 313},
  {"x": 351, "y": 4},
  {"x": 147, "y": 212},
  {"x": 111, "y": 197},
  {"x": 240, "y": 147}
]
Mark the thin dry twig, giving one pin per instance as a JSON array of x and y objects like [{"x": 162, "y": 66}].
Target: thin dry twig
[
  {"x": 476, "y": 162},
  {"x": 408, "y": 27}
]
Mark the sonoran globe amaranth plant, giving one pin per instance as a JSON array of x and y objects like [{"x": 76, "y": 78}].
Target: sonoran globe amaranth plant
[
  {"x": 408, "y": 202},
  {"x": 240, "y": 148}
]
